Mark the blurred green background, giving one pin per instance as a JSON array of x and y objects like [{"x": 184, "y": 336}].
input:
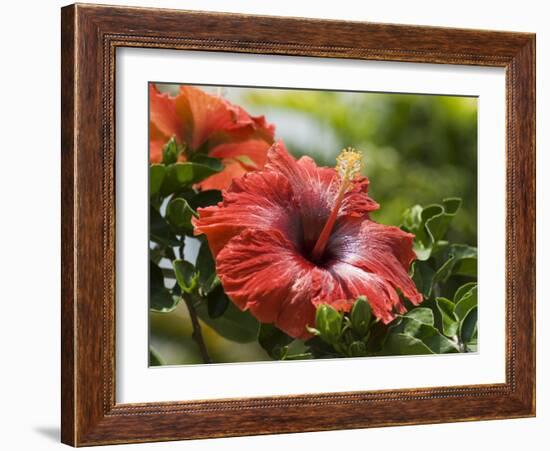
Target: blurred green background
[{"x": 417, "y": 149}]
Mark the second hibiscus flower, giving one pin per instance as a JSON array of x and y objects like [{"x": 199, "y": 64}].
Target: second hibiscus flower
[
  {"x": 207, "y": 123},
  {"x": 294, "y": 235}
]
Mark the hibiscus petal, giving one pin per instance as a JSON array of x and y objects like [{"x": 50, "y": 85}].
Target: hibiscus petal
[
  {"x": 382, "y": 254},
  {"x": 155, "y": 151},
  {"x": 211, "y": 115},
  {"x": 258, "y": 200},
  {"x": 254, "y": 152},
  {"x": 263, "y": 272},
  {"x": 157, "y": 139},
  {"x": 163, "y": 115},
  {"x": 232, "y": 169},
  {"x": 381, "y": 294}
]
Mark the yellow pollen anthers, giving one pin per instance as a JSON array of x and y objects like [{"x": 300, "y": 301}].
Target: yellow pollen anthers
[{"x": 348, "y": 163}]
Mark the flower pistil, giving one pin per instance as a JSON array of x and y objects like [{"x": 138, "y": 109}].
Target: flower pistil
[{"x": 348, "y": 166}]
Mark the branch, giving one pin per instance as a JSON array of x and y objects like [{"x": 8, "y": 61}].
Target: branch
[{"x": 197, "y": 331}]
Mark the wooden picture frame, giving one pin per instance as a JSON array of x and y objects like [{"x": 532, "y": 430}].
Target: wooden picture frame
[{"x": 90, "y": 36}]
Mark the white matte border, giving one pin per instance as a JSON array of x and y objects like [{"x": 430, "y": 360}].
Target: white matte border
[{"x": 138, "y": 383}]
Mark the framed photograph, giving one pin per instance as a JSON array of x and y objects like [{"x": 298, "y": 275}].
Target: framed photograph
[{"x": 279, "y": 225}]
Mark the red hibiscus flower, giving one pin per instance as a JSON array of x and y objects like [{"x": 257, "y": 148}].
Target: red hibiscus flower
[
  {"x": 295, "y": 235},
  {"x": 208, "y": 123}
]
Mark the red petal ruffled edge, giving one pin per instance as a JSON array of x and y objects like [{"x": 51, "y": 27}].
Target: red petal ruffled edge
[
  {"x": 258, "y": 200},
  {"x": 382, "y": 254},
  {"x": 262, "y": 272}
]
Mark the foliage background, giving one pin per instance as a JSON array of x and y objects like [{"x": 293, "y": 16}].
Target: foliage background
[{"x": 417, "y": 149}]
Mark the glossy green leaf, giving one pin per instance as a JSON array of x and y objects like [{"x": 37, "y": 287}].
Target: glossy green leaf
[
  {"x": 179, "y": 215},
  {"x": 429, "y": 224},
  {"x": 217, "y": 302},
  {"x": 464, "y": 290},
  {"x": 207, "y": 269},
  {"x": 234, "y": 324},
  {"x": 182, "y": 175},
  {"x": 296, "y": 350},
  {"x": 459, "y": 259},
  {"x": 466, "y": 266},
  {"x": 403, "y": 344},
  {"x": 189, "y": 172},
  {"x": 438, "y": 223},
  {"x": 274, "y": 341},
  {"x": 157, "y": 173},
  {"x": 412, "y": 218},
  {"x": 422, "y": 315},
  {"x": 422, "y": 275},
  {"x": 449, "y": 319},
  {"x": 186, "y": 275},
  {"x": 437, "y": 342},
  {"x": 160, "y": 231},
  {"x": 213, "y": 163},
  {"x": 466, "y": 303},
  {"x": 468, "y": 327},
  {"x": 419, "y": 323},
  {"x": 160, "y": 298}
]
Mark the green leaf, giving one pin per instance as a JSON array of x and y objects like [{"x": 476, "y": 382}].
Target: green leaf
[
  {"x": 206, "y": 198},
  {"x": 188, "y": 172},
  {"x": 437, "y": 224},
  {"x": 422, "y": 315},
  {"x": 160, "y": 298},
  {"x": 274, "y": 341},
  {"x": 185, "y": 275},
  {"x": 437, "y": 342},
  {"x": 466, "y": 266},
  {"x": 357, "y": 349},
  {"x": 422, "y": 276},
  {"x": 419, "y": 324},
  {"x": 154, "y": 357},
  {"x": 460, "y": 259},
  {"x": 468, "y": 328},
  {"x": 360, "y": 316},
  {"x": 429, "y": 224},
  {"x": 464, "y": 290},
  {"x": 412, "y": 218},
  {"x": 328, "y": 322},
  {"x": 403, "y": 344},
  {"x": 207, "y": 269},
  {"x": 160, "y": 231},
  {"x": 170, "y": 151},
  {"x": 217, "y": 302},
  {"x": 182, "y": 175},
  {"x": 466, "y": 303},
  {"x": 466, "y": 312},
  {"x": 157, "y": 172},
  {"x": 234, "y": 324},
  {"x": 449, "y": 319},
  {"x": 213, "y": 163},
  {"x": 179, "y": 214}
]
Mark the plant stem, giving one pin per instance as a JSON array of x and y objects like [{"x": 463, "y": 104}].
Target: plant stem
[{"x": 197, "y": 331}]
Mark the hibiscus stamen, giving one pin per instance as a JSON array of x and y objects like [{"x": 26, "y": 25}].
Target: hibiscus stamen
[{"x": 348, "y": 166}]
